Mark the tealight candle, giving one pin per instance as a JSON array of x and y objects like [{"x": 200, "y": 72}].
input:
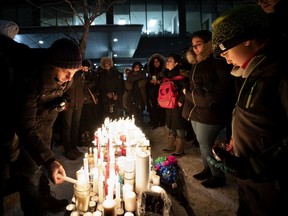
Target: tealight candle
[
  {"x": 74, "y": 213},
  {"x": 156, "y": 179}
]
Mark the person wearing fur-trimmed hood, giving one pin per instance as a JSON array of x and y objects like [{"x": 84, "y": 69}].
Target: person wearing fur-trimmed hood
[
  {"x": 207, "y": 102},
  {"x": 155, "y": 69}
]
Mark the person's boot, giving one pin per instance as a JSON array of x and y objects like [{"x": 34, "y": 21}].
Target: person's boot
[
  {"x": 179, "y": 150},
  {"x": 171, "y": 144}
]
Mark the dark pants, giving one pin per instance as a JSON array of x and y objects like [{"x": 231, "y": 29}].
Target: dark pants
[
  {"x": 34, "y": 184},
  {"x": 69, "y": 130}
]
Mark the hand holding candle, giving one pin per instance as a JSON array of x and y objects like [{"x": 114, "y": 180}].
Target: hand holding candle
[{"x": 68, "y": 179}]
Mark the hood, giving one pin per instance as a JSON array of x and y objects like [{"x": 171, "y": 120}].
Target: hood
[
  {"x": 192, "y": 58},
  {"x": 105, "y": 60},
  {"x": 150, "y": 62}
]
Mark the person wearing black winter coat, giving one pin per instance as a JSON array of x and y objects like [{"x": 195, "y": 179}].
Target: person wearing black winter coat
[
  {"x": 208, "y": 102},
  {"x": 260, "y": 118},
  {"x": 39, "y": 102},
  {"x": 69, "y": 119},
  {"x": 111, "y": 89}
]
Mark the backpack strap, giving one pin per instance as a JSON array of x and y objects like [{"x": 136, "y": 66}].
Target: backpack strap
[{"x": 179, "y": 77}]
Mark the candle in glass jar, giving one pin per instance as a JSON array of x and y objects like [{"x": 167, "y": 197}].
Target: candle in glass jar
[{"x": 109, "y": 207}]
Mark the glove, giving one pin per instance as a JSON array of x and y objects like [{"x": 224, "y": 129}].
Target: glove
[{"x": 228, "y": 163}]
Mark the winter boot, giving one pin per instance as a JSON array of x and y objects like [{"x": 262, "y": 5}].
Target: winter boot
[
  {"x": 179, "y": 143},
  {"x": 170, "y": 147}
]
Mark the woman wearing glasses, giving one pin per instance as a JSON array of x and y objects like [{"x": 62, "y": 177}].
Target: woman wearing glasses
[{"x": 208, "y": 103}]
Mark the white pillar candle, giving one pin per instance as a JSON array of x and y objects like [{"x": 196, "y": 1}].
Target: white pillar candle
[
  {"x": 126, "y": 188},
  {"x": 130, "y": 201},
  {"x": 80, "y": 175},
  {"x": 142, "y": 172}
]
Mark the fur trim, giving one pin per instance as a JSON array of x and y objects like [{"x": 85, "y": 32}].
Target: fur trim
[{"x": 192, "y": 58}]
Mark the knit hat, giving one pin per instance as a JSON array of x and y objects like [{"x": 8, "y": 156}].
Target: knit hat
[
  {"x": 64, "y": 53},
  {"x": 87, "y": 63},
  {"x": 237, "y": 25}
]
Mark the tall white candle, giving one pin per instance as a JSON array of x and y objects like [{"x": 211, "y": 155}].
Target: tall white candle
[
  {"x": 142, "y": 172},
  {"x": 95, "y": 156},
  {"x": 101, "y": 189},
  {"x": 86, "y": 167}
]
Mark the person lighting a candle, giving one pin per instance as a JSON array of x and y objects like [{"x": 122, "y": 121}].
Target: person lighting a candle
[{"x": 39, "y": 100}]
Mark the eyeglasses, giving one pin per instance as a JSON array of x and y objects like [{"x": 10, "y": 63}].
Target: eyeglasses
[{"x": 198, "y": 45}]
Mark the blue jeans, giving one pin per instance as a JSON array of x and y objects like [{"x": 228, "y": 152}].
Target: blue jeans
[{"x": 206, "y": 135}]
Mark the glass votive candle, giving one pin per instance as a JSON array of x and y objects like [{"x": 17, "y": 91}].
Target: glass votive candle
[{"x": 82, "y": 197}]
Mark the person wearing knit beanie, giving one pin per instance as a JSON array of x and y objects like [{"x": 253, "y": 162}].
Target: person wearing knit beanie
[
  {"x": 64, "y": 53},
  {"x": 259, "y": 119},
  {"x": 238, "y": 25}
]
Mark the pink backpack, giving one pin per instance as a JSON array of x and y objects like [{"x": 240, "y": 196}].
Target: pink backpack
[{"x": 168, "y": 93}]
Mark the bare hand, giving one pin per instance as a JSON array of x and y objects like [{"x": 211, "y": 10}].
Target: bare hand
[{"x": 55, "y": 169}]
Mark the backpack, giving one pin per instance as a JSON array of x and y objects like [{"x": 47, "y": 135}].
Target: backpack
[{"x": 168, "y": 93}]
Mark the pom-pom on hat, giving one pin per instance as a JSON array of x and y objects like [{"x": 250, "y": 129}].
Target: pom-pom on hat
[
  {"x": 64, "y": 53},
  {"x": 237, "y": 25}
]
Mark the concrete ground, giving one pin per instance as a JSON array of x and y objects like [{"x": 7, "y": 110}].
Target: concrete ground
[{"x": 202, "y": 201}]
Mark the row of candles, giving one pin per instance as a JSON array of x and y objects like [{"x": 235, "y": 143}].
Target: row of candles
[{"x": 107, "y": 174}]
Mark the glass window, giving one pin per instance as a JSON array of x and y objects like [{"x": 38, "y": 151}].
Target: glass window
[
  {"x": 48, "y": 16},
  {"x": 171, "y": 19},
  {"x": 121, "y": 14},
  {"x": 138, "y": 15},
  {"x": 154, "y": 19},
  {"x": 192, "y": 16}
]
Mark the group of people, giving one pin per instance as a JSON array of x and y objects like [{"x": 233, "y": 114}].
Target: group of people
[
  {"x": 246, "y": 95},
  {"x": 253, "y": 101}
]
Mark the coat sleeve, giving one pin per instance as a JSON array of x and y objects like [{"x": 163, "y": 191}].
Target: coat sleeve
[{"x": 27, "y": 131}]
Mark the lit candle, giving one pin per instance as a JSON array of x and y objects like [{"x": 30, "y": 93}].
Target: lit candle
[
  {"x": 80, "y": 175},
  {"x": 130, "y": 201},
  {"x": 109, "y": 207},
  {"x": 86, "y": 167},
  {"x": 82, "y": 197}
]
